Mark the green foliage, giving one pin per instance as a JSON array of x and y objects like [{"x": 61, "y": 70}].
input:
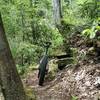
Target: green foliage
[
  {"x": 57, "y": 38},
  {"x": 90, "y": 9},
  {"x": 29, "y": 23},
  {"x": 91, "y": 33},
  {"x": 88, "y": 33},
  {"x": 74, "y": 98},
  {"x": 30, "y": 93}
]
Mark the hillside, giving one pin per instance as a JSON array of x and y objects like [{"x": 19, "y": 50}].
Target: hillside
[
  {"x": 82, "y": 81},
  {"x": 49, "y": 49},
  {"x": 79, "y": 81}
]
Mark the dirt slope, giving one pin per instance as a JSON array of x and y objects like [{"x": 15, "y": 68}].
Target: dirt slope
[
  {"x": 82, "y": 81},
  {"x": 75, "y": 82}
]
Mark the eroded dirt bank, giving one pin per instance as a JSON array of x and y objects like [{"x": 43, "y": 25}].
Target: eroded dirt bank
[{"x": 81, "y": 81}]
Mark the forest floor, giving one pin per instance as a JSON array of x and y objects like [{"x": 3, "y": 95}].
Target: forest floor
[{"x": 80, "y": 81}]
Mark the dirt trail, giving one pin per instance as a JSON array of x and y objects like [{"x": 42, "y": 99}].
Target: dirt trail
[{"x": 82, "y": 81}]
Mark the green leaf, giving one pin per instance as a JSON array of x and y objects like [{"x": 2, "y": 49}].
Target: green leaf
[
  {"x": 98, "y": 27},
  {"x": 92, "y": 35},
  {"x": 74, "y": 98},
  {"x": 86, "y": 32}
]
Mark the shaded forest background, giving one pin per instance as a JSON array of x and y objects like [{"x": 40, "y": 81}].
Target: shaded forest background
[{"x": 29, "y": 23}]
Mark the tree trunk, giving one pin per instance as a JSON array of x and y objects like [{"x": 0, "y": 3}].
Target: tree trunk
[
  {"x": 57, "y": 13},
  {"x": 1, "y": 95},
  {"x": 23, "y": 33},
  {"x": 10, "y": 81},
  {"x": 61, "y": 25}
]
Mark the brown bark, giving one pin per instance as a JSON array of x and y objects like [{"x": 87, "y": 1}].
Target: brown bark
[{"x": 10, "y": 81}]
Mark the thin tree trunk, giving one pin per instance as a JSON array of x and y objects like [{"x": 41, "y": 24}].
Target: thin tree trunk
[
  {"x": 10, "y": 81},
  {"x": 23, "y": 35},
  {"x": 57, "y": 13},
  {"x": 60, "y": 24}
]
